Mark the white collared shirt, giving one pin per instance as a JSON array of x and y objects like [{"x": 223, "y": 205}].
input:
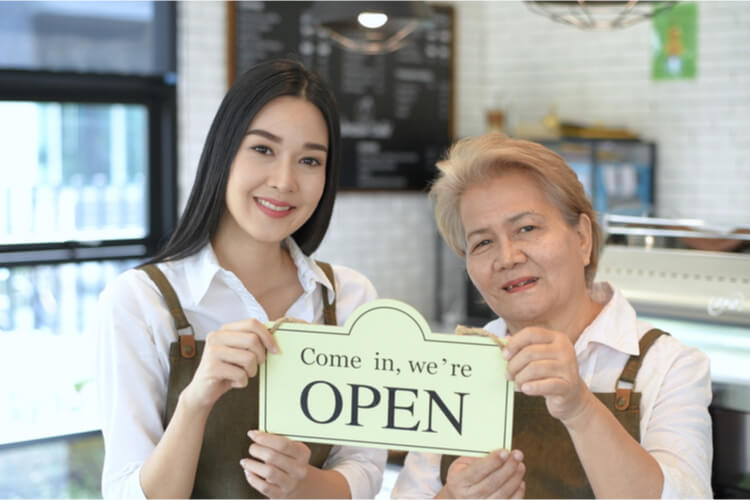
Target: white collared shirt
[
  {"x": 675, "y": 386},
  {"x": 135, "y": 331}
]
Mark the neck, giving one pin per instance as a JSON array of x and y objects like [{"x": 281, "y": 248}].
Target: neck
[
  {"x": 577, "y": 315},
  {"x": 259, "y": 265}
]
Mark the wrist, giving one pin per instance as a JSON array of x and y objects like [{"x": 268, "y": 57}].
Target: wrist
[
  {"x": 300, "y": 489},
  {"x": 581, "y": 418},
  {"x": 187, "y": 404}
]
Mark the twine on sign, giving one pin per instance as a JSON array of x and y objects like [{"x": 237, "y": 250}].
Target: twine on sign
[
  {"x": 473, "y": 330},
  {"x": 285, "y": 319}
]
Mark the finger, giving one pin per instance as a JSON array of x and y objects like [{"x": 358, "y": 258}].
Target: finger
[
  {"x": 545, "y": 387},
  {"x": 261, "y": 485},
  {"x": 479, "y": 469},
  {"x": 240, "y": 340},
  {"x": 511, "y": 483},
  {"x": 541, "y": 369},
  {"x": 295, "y": 467},
  {"x": 281, "y": 444},
  {"x": 217, "y": 371},
  {"x": 255, "y": 326},
  {"x": 527, "y": 336},
  {"x": 504, "y": 480},
  {"x": 242, "y": 358},
  {"x": 268, "y": 473},
  {"x": 520, "y": 492},
  {"x": 530, "y": 354}
]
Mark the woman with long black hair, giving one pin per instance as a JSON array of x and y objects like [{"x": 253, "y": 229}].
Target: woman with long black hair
[{"x": 180, "y": 339}]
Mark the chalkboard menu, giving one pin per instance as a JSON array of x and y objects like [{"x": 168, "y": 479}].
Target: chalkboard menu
[{"x": 396, "y": 108}]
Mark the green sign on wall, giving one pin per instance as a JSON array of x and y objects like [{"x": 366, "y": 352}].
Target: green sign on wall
[
  {"x": 385, "y": 380},
  {"x": 675, "y": 43}
]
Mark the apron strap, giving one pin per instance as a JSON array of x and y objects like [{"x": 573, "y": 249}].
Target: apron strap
[
  {"x": 187, "y": 340},
  {"x": 329, "y": 309},
  {"x": 622, "y": 394}
]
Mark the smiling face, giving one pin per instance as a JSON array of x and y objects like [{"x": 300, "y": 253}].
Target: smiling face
[
  {"x": 525, "y": 260},
  {"x": 278, "y": 174}
]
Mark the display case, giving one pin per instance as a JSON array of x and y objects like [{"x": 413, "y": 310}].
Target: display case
[{"x": 617, "y": 174}]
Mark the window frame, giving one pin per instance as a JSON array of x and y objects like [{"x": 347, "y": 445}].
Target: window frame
[{"x": 158, "y": 95}]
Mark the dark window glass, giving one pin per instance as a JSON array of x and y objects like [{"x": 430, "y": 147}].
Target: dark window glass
[{"x": 104, "y": 37}]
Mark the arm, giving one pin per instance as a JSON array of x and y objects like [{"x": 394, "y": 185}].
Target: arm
[
  {"x": 610, "y": 456},
  {"x": 230, "y": 358},
  {"x": 142, "y": 458},
  {"x": 676, "y": 425},
  {"x": 543, "y": 363}
]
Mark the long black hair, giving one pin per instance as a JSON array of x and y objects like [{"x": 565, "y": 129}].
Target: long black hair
[{"x": 253, "y": 89}]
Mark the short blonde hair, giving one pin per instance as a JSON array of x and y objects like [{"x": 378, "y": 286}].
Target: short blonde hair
[{"x": 477, "y": 159}]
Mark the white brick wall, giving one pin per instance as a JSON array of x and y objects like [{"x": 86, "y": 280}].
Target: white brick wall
[
  {"x": 509, "y": 57},
  {"x": 202, "y": 81},
  {"x": 531, "y": 63}
]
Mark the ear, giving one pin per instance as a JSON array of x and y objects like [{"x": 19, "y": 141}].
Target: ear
[{"x": 583, "y": 232}]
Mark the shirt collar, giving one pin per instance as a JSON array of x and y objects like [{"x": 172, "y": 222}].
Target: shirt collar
[
  {"x": 202, "y": 267},
  {"x": 309, "y": 272},
  {"x": 615, "y": 325},
  {"x": 200, "y": 270}
]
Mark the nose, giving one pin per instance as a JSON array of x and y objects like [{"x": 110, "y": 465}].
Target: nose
[
  {"x": 509, "y": 254},
  {"x": 283, "y": 176}
]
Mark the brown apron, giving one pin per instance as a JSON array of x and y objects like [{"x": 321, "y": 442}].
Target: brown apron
[
  {"x": 553, "y": 469},
  {"x": 225, "y": 441}
]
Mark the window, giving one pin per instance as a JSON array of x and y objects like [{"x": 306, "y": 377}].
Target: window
[{"x": 87, "y": 130}]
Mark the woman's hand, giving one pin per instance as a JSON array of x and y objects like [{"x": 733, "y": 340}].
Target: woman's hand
[
  {"x": 231, "y": 356},
  {"x": 543, "y": 363},
  {"x": 278, "y": 464},
  {"x": 498, "y": 475}
]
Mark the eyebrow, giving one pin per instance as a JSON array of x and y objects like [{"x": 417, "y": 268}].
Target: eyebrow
[
  {"x": 511, "y": 219},
  {"x": 275, "y": 138}
]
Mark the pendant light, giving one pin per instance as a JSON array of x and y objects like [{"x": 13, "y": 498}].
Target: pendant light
[
  {"x": 371, "y": 27},
  {"x": 598, "y": 15}
]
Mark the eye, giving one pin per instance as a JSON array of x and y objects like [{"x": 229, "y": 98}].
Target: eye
[
  {"x": 312, "y": 162},
  {"x": 264, "y": 150},
  {"x": 527, "y": 229},
  {"x": 481, "y": 244}
]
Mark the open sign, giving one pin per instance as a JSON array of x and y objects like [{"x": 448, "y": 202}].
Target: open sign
[{"x": 384, "y": 379}]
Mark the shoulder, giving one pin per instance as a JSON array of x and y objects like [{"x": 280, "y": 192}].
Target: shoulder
[
  {"x": 127, "y": 287},
  {"x": 133, "y": 292},
  {"x": 667, "y": 346},
  {"x": 352, "y": 282},
  {"x": 670, "y": 359}
]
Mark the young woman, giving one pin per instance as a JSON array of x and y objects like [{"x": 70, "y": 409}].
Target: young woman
[
  {"x": 606, "y": 405},
  {"x": 180, "y": 418}
]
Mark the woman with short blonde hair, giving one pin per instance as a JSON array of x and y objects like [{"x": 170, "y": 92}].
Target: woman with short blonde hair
[
  {"x": 605, "y": 404},
  {"x": 476, "y": 159}
]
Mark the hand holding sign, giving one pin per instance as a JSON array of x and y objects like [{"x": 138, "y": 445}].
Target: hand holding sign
[{"x": 385, "y": 380}]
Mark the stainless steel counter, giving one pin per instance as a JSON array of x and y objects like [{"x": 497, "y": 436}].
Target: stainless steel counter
[{"x": 703, "y": 299}]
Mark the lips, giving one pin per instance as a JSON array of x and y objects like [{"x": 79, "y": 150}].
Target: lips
[
  {"x": 274, "y": 208},
  {"x": 517, "y": 285}
]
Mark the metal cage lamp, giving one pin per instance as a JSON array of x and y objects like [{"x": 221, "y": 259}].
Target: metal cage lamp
[
  {"x": 598, "y": 15},
  {"x": 371, "y": 27}
]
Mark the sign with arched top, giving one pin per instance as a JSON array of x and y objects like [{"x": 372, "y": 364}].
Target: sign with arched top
[{"x": 385, "y": 380}]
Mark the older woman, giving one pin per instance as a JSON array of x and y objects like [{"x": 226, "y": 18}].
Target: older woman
[{"x": 606, "y": 405}]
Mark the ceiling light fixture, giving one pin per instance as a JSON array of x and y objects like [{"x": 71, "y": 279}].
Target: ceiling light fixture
[
  {"x": 371, "y": 27},
  {"x": 372, "y": 20},
  {"x": 598, "y": 15}
]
